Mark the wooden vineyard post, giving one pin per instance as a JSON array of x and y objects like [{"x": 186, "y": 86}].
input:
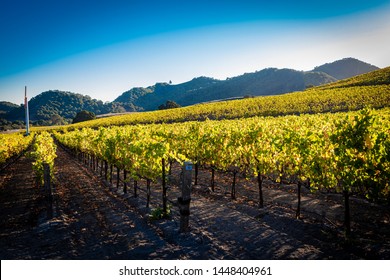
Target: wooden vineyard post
[
  {"x": 117, "y": 177},
  {"x": 212, "y": 178},
  {"x": 135, "y": 188},
  {"x": 148, "y": 192},
  {"x": 347, "y": 214},
  {"x": 111, "y": 170},
  {"x": 124, "y": 181},
  {"x": 196, "y": 172},
  {"x": 164, "y": 187},
  {"x": 105, "y": 170},
  {"x": 185, "y": 199},
  {"x": 47, "y": 187},
  {"x": 298, "y": 212},
  {"x": 233, "y": 194},
  {"x": 260, "y": 186}
]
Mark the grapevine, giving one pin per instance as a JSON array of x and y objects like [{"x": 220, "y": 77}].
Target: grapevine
[
  {"x": 12, "y": 145},
  {"x": 43, "y": 152}
]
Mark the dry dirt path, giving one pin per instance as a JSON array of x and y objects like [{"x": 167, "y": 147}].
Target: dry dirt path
[
  {"x": 94, "y": 221},
  {"x": 89, "y": 222}
]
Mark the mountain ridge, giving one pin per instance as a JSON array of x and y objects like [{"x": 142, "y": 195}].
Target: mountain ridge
[
  {"x": 54, "y": 106},
  {"x": 345, "y": 68},
  {"x": 269, "y": 81}
]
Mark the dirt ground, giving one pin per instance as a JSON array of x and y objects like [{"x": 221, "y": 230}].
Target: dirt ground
[{"x": 92, "y": 220}]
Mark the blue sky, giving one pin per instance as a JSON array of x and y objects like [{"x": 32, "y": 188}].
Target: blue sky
[{"x": 103, "y": 48}]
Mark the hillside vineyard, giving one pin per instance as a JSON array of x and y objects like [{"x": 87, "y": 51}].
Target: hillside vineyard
[
  {"x": 287, "y": 138},
  {"x": 11, "y": 145},
  {"x": 345, "y": 152},
  {"x": 352, "y": 94}
]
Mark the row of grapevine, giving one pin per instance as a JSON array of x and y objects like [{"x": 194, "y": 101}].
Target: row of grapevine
[
  {"x": 345, "y": 152},
  {"x": 372, "y": 89},
  {"x": 378, "y": 77},
  {"x": 43, "y": 153},
  {"x": 134, "y": 149},
  {"x": 12, "y": 145}
]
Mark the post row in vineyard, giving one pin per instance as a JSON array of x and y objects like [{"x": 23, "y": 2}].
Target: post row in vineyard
[
  {"x": 43, "y": 153},
  {"x": 108, "y": 171},
  {"x": 344, "y": 152}
]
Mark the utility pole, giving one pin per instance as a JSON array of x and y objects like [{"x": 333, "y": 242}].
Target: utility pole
[{"x": 26, "y": 111}]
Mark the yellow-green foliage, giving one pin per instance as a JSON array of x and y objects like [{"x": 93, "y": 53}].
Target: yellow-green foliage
[
  {"x": 330, "y": 149},
  {"x": 372, "y": 90},
  {"x": 13, "y": 144},
  {"x": 375, "y": 78},
  {"x": 43, "y": 151}
]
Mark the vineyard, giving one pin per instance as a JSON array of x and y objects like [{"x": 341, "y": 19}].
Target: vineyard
[
  {"x": 320, "y": 157},
  {"x": 11, "y": 146},
  {"x": 343, "y": 153},
  {"x": 353, "y": 94}
]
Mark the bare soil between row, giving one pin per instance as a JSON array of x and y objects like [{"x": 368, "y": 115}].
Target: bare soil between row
[{"x": 93, "y": 220}]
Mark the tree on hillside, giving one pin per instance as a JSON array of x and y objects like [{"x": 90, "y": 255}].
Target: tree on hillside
[
  {"x": 84, "y": 116},
  {"x": 169, "y": 105},
  {"x": 57, "y": 120}
]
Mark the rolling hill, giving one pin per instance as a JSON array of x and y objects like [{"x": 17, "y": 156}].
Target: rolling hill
[
  {"x": 270, "y": 81},
  {"x": 6, "y": 107},
  {"x": 345, "y": 68},
  {"x": 56, "y": 107},
  {"x": 367, "y": 90}
]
